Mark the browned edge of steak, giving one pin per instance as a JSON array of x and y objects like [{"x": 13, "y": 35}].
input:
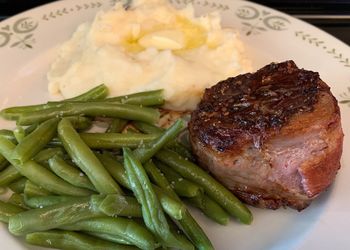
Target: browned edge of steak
[{"x": 250, "y": 111}]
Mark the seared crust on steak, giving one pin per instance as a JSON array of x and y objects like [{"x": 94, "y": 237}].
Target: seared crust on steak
[{"x": 273, "y": 137}]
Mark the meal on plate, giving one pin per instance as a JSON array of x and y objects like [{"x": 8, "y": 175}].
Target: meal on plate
[{"x": 114, "y": 166}]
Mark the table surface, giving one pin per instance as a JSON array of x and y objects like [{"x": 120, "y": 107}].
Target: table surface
[{"x": 333, "y": 16}]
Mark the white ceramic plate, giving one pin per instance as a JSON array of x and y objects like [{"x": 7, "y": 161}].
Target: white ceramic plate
[{"x": 29, "y": 41}]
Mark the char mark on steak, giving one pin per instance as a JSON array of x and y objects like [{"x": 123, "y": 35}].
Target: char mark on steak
[{"x": 273, "y": 137}]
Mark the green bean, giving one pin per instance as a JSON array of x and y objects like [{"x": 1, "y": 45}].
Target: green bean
[
  {"x": 114, "y": 110},
  {"x": 184, "y": 139},
  {"x": 30, "y": 190},
  {"x": 18, "y": 185},
  {"x": 18, "y": 200},
  {"x": 46, "y": 154},
  {"x": 115, "y": 140},
  {"x": 3, "y": 190},
  {"x": 115, "y": 169},
  {"x": 100, "y": 92},
  {"x": 52, "y": 183},
  {"x": 213, "y": 188},
  {"x": 31, "y": 128},
  {"x": 9, "y": 175},
  {"x": 173, "y": 145},
  {"x": 180, "y": 185},
  {"x": 210, "y": 208},
  {"x": 9, "y": 115},
  {"x": 128, "y": 229},
  {"x": 110, "y": 237},
  {"x": 71, "y": 241},
  {"x": 19, "y": 133},
  {"x": 119, "y": 205},
  {"x": 8, "y": 210},
  {"x": 35, "y": 141},
  {"x": 141, "y": 186},
  {"x": 39, "y": 174},
  {"x": 172, "y": 207},
  {"x": 148, "y": 98},
  {"x": 152, "y": 212},
  {"x": 187, "y": 223},
  {"x": 147, "y": 128},
  {"x": 176, "y": 230},
  {"x": 86, "y": 160},
  {"x": 157, "y": 177},
  {"x": 41, "y": 219},
  {"x": 146, "y": 152},
  {"x": 8, "y": 134},
  {"x": 55, "y": 142},
  {"x": 116, "y": 126},
  {"x": 181, "y": 150},
  {"x": 3, "y": 163},
  {"x": 80, "y": 122},
  {"x": 48, "y": 200},
  {"x": 150, "y": 129},
  {"x": 194, "y": 232},
  {"x": 191, "y": 228},
  {"x": 69, "y": 173}
]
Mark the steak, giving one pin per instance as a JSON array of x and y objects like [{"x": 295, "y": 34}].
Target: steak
[{"x": 273, "y": 137}]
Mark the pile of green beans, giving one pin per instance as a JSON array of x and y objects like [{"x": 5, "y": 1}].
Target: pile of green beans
[{"x": 124, "y": 188}]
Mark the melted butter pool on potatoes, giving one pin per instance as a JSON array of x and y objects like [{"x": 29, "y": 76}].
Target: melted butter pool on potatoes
[{"x": 150, "y": 46}]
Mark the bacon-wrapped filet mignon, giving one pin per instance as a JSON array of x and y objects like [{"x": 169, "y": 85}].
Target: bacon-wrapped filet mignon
[{"x": 273, "y": 137}]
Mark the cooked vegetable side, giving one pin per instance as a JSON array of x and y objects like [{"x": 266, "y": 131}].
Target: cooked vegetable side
[{"x": 83, "y": 190}]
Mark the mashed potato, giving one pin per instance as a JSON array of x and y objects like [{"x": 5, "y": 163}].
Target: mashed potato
[{"x": 149, "y": 46}]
